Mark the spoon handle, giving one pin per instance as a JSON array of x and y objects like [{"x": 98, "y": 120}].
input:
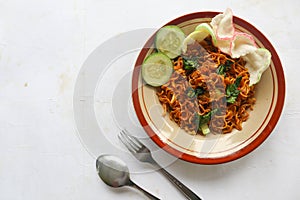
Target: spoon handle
[{"x": 150, "y": 196}]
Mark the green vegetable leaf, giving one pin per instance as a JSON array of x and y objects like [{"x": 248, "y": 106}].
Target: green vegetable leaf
[
  {"x": 190, "y": 64},
  {"x": 199, "y": 91},
  {"x": 223, "y": 68},
  {"x": 194, "y": 92},
  {"x": 204, "y": 119},
  {"x": 232, "y": 91}
]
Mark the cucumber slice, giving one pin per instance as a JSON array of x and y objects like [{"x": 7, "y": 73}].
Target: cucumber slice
[
  {"x": 157, "y": 69},
  {"x": 169, "y": 40}
]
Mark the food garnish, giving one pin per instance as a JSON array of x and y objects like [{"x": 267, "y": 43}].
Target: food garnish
[
  {"x": 157, "y": 69},
  {"x": 169, "y": 40}
]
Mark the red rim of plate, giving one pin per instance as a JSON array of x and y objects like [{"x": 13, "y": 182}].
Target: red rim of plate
[{"x": 256, "y": 142}]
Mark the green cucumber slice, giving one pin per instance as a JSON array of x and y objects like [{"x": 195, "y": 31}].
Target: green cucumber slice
[
  {"x": 157, "y": 69},
  {"x": 169, "y": 40}
]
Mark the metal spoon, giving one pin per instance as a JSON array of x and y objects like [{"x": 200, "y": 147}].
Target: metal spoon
[{"x": 114, "y": 172}]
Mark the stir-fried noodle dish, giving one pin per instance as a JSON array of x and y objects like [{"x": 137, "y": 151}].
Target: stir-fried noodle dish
[
  {"x": 205, "y": 81},
  {"x": 207, "y": 87}
]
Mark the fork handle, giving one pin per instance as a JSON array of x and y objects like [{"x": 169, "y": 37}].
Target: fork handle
[
  {"x": 189, "y": 194},
  {"x": 147, "y": 194}
]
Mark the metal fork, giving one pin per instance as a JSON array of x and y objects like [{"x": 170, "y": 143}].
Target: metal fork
[{"x": 143, "y": 154}]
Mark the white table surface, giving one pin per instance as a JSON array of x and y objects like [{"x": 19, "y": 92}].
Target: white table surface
[{"x": 43, "y": 45}]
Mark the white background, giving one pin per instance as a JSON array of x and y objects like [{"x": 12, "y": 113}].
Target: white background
[{"x": 43, "y": 45}]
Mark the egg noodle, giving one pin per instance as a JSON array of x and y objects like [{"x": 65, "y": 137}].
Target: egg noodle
[{"x": 214, "y": 91}]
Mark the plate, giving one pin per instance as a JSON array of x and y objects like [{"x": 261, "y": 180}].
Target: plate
[{"x": 212, "y": 148}]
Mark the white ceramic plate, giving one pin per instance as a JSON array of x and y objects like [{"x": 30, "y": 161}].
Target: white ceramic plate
[{"x": 214, "y": 148}]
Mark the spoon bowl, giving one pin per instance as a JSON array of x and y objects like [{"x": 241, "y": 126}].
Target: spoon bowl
[{"x": 114, "y": 172}]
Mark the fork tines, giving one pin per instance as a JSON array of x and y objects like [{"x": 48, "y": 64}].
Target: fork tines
[{"x": 132, "y": 144}]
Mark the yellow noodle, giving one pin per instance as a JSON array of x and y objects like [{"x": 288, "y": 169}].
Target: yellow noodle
[{"x": 185, "y": 109}]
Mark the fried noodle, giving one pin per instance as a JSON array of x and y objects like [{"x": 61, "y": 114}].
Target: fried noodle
[{"x": 191, "y": 94}]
